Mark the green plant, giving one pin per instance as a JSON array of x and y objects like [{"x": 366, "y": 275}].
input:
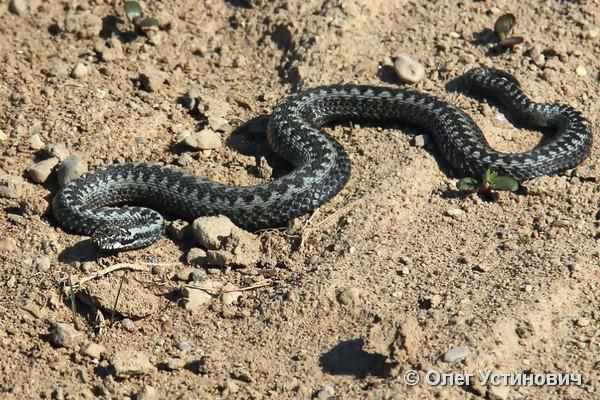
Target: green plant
[
  {"x": 489, "y": 182},
  {"x": 135, "y": 15}
]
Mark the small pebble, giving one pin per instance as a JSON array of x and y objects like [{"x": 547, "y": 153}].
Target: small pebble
[
  {"x": 206, "y": 139},
  {"x": 174, "y": 364},
  {"x": 198, "y": 275},
  {"x": 18, "y": 7},
  {"x": 41, "y": 264},
  {"x": 3, "y": 137},
  {"x": 210, "y": 231},
  {"x": 128, "y": 325},
  {"x": 581, "y": 71},
  {"x": 456, "y": 354},
  {"x": 184, "y": 345},
  {"x": 93, "y": 350},
  {"x": 36, "y": 142},
  {"x": 592, "y": 33},
  {"x": 64, "y": 335},
  {"x": 455, "y": 213},
  {"x": 539, "y": 60},
  {"x": 583, "y": 322},
  {"x": 71, "y": 168},
  {"x": 196, "y": 256},
  {"x": 421, "y": 141},
  {"x": 80, "y": 70},
  {"x": 131, "y": 363},
  {"x": 408, "y": 70},
  {"x": 40, "y": 171}
]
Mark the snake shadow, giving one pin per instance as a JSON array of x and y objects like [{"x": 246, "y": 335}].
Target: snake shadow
[
  {"x": 82, "y": 251},
  {"x": 250, "y": 139},
  {"x": 459, "y": 85}
]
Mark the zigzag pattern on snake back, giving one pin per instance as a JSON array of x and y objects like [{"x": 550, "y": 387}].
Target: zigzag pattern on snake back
[{"x": 86, "y": 205}]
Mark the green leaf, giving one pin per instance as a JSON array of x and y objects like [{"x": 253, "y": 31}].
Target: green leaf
[
  {"x": 504, "y": 25},
  {"x": 505, "y": 183},
  {"x": 467, "y": 185},
  {"x": 489, "y": 176},
  {"x": 133, "y": 10}
]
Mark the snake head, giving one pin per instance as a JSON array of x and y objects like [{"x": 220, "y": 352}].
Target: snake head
[{"x": 118, "y": 238}]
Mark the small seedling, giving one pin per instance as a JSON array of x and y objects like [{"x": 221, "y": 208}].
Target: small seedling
[
  {"x": 135, "y": 15},
  {"x": 503, "y": 28},
  {"x": 490, "y": 182}
]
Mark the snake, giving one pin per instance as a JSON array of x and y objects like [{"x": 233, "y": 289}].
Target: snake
[{"x": 121, "y": 205}]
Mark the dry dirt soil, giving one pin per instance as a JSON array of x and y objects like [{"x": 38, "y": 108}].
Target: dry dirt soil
[{"x": 396, "y": 273}]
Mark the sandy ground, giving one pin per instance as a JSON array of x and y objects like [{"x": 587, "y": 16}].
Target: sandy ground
[{"x": 395, "y": 274}]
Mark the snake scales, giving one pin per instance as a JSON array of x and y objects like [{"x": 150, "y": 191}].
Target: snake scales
[{"x": 86, "y": 205}]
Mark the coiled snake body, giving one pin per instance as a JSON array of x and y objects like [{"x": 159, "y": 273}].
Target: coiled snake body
[{"x": 86, "y": 205}]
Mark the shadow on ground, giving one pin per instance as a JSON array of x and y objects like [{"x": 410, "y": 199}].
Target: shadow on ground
[{"x": 349, "y": 358}]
